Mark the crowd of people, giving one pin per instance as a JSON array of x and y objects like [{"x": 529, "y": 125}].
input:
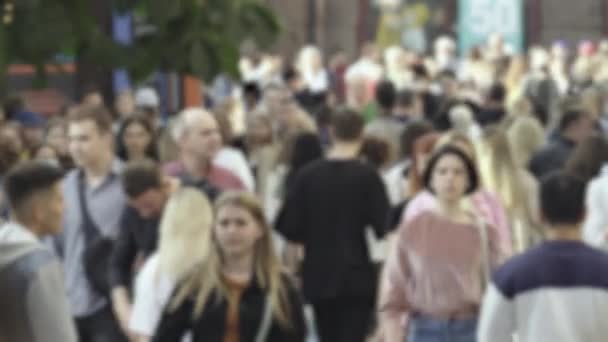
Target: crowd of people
[{"x": 398, "y": 197}]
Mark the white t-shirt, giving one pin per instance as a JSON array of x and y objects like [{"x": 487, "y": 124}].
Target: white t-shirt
[
  {"x": 152, "y": 292},
  {"x": 233, "y": 160}
]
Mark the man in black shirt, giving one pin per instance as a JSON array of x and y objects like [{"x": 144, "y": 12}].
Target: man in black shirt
[
  {"x": 148, "y": 191},
  {"x": 328, "y": 209}
]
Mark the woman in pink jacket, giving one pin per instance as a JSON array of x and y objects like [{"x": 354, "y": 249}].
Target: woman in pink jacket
[{"x": 436, "y": 273}]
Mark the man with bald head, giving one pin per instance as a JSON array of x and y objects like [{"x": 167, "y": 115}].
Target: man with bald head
[{"x": 198, "y": 138}]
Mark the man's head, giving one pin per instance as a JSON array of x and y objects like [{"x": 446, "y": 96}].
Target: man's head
[
  {"x": 347, "y": 126},
  {"x": 562, "y": 200},
  {"x": 145, "y": 187},
  {"x": 385, "y": 96},
  {"x": 197, "y": 134},
  {"x": 576, "y": 125},
  {"x": 90, "y": 135},
  {"x": 92, "y": 96},
  {"x": 35, "y": 196},
  {"x": 497, "y": 94},
  {"x": 408, "y": 104},
  {"x": 33, "y": 128},
  {"x": 293, "y": 80}
]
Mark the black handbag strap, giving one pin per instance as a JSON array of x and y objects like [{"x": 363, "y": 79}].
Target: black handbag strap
[{"x": 89, "y": 227}]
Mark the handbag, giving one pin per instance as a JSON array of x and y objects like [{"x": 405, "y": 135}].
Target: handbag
[
  {"x": 97, "y": 248},
  {"x": 266, "y": 322}
]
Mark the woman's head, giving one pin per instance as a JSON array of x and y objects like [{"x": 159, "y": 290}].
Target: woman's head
[
  {"x": 47, "y": 153},
  {"x": 450, "y": 174},
  {"x": 306, "y": 148},
  {"x": 185, "y": 228},
  {"x": 259, "y": 130},
  {"x": 588, "y": 157},
  {"x": 57, "y": 136},
  {"x": 376, "y": 151},
  {"x": 423, "y": 147},
  {"x": 241, "y": 228},
  {"x": 136, "y": 139},
  {"x": 526, "y": 136}
]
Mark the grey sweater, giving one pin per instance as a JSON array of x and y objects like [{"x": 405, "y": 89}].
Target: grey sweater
[{"x": 33, "y": 304}]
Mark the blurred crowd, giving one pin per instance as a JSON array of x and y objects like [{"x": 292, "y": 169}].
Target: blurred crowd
[{"x": 352, "y": 187}]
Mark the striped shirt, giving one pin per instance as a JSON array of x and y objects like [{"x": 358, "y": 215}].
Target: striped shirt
[{"x": 555, "y": 292}]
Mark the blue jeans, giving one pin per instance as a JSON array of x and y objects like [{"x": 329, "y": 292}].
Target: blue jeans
[{"x": 426, "y": 329}]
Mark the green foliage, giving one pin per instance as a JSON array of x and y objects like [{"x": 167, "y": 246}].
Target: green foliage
[{"x": 198, "y": 37}]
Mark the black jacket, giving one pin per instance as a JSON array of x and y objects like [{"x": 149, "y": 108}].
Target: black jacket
[
  {"x": 210, "y": 326},
  {"x": 138, "y": 236},
  {"x": 328, "y": 209}
]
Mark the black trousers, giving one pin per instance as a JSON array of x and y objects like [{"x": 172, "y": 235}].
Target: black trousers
[
  {"x": 100, "y": 327},
  {"x": 344, "y": 319}
]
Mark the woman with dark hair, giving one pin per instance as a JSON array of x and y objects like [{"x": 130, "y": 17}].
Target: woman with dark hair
[
  {"x": 588, "y": 158},
  {"x": 136, "y": 139},
  {"x": 441, "y": 259},
  {"x": 306, "y": 148}
]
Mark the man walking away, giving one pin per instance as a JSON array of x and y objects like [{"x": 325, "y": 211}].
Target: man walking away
[
  {"x": 557, "y": 291},
  {"x": 328, "y": 209}
]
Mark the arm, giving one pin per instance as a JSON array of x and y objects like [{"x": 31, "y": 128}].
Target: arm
[
  {"x": 149, "y": 301},
  {"x": 47, "y": 307},
  {"x": 378, "y": 205},
  {"x": 121, "y": 264},
  {"x": 174, "y": 324},
  {"x": 594, "y": 228},
  {"x": 291, "y": 220},
  {"x": 393, "y": 303},
  {"x": 497, "y": 317}
]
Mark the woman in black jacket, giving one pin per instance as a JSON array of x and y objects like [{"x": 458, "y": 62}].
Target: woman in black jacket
[{"x": 239, "y": 293}]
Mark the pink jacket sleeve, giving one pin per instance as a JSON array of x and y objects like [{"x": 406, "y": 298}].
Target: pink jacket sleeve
[
  {"x": 494, "y": 212},
  {"x": 393, "y": 303}
]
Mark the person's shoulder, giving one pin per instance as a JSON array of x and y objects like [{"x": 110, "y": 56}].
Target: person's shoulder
[{"x": 225, "y": 179}]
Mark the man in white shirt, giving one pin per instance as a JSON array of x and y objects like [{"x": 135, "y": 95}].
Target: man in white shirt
[{"x": 33, "y": 305}]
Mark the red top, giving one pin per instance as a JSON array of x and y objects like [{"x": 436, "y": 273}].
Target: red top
[{"x": 217, "y": 176}]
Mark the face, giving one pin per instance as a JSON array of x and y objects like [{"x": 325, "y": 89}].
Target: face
[
  {"x": 202, "y": 139},
  {"x": 449, "y": 178},
  {"x": 93, "y": 99},
  {"x": 47, "y": 153},
  {"x": 125, "y": 105},
  {"x": 136, "y": 138},
  {"x": 236, "y": 231},
  {"x": 278, "y": 101},
  {"x": 33, "y": 136},
  {"x": 583, "y": 128},
  {"x": 86, "y": 142},
  {"x": 50, "y": 210},
  {"x": 149, "y": 204},
  {"x": 260, "y": 131},
  {"x": 14, "y": 137},
  {"x": 57, "y": 138}
]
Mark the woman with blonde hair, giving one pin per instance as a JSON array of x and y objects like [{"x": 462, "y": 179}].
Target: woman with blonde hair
[
  {"x": 184, "y": 229},
  {"x": 239, "y": 291},
  {"x": 514, "y": 185}
]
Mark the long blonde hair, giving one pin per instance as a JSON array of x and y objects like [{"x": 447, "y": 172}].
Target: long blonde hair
[
  {"x": 526, "y": 136},
  {"x": 184, "y": 229},
  {"x": 207, "y": 279}
]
